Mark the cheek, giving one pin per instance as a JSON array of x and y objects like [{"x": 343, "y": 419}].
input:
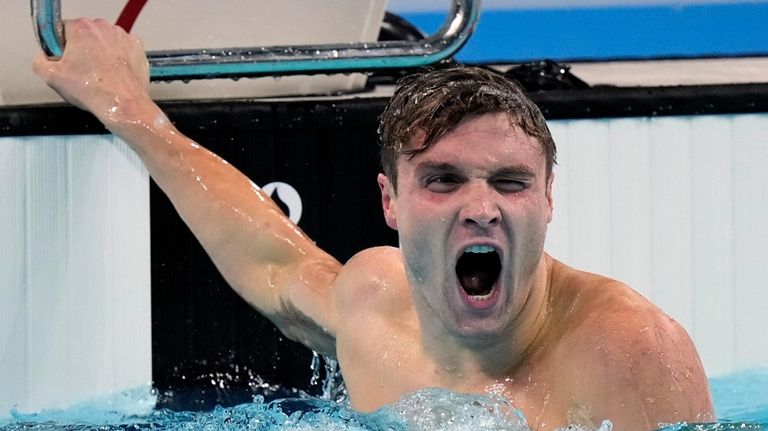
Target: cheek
[
  {"x": 529, "y": 225},
  {"x": 421, "y": 258},
  {"x": 417, "y": 259},
  {"x": 422, "y": 245},
  {"x": 423, "y": 212}
]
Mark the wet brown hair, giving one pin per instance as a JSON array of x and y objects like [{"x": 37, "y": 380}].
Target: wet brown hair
[{"x": 436, "y": 101}]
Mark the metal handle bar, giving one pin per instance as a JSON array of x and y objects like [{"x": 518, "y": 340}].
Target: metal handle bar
[{"x": 282, "y": 60}]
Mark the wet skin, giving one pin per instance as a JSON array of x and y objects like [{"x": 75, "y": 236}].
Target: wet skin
[
  {"x": 563, "y": 345},
  {"x": 482, "y": 184}
]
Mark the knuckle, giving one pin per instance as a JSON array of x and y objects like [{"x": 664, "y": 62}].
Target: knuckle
[{"x": 79, "y": 22}]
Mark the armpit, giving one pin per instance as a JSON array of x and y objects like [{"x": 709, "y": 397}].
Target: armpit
[{"x": 301, "y": 328}]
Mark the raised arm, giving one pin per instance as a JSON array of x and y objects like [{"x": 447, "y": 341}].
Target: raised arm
[{"x": 262, "y": 254}]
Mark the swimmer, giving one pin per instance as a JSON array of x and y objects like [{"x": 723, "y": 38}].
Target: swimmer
[{"x": 469, "y": 302}]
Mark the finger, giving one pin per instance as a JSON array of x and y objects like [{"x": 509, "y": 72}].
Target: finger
[
  {"x": 138, "y": 59},
  {"x": 76, "y": 29},
  {"x": 106, "y": 26},
  {"x": 74, "y": 26},
  {"x": 141, "y": 57}
]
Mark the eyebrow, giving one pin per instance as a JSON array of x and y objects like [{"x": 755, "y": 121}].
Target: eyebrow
[
  {"x": 516, "y": 171},
  {"x": 520, "y": 170},
  {"x": 436, "y": 166}
]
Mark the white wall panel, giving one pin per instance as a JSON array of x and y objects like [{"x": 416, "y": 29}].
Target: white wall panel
[
  {"x": 671, "y": 262},
  {"x": 47, "y": 286},
  {"x": 75, "y": 309},
  {"x": 750, "y": 239},
  {"x": 588, "y": 177},
  {"x": 712, "y": 221},
  {"x": 13, "y": 292},
  {"x": 629, "y": 199},
  {"x": 561, "y": 226},
  {"x": 674, "y": 207}
]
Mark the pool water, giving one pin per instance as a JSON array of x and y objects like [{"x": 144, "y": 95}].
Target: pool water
[
  {"x": 741, "y": 403},
  {"x": 742, "y": 396}
]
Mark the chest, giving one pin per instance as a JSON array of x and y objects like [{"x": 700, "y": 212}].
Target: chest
[
  {"x": 380, "y": 364},
  {"x": 385, "y": 365}
]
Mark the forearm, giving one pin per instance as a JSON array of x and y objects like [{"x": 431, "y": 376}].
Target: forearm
[{"x": 243, "y": 231}]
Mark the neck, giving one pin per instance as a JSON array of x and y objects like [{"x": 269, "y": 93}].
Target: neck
[{"x": 468, "y": 359}]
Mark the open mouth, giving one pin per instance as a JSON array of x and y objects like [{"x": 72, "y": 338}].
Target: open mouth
[{"x": 478, "y": 270}]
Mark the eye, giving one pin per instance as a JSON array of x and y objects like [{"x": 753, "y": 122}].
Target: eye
[
  {"x": 443, "y": 183},
  {"x": 508, "y": 185}
]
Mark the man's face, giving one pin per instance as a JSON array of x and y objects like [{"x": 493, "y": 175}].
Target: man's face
[{"x": 472, "y": 213}]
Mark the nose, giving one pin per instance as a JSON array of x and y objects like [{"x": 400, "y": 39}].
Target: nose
[{"x": 481, "y": 209}]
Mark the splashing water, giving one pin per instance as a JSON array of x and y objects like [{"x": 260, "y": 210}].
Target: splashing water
[
  {"x": 315, "y": 367},
  {"x": 427, "y": 409},
  {"x": 438, "y": 409},
  {"x": 333, "y": 383}
]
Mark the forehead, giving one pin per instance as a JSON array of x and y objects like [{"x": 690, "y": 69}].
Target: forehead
[{"x": 491, "y": 140}]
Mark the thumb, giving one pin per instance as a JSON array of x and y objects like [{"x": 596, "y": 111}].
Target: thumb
[{"x": 44, "y": 67}]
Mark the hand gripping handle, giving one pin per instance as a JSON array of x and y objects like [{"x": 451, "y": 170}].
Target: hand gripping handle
[{"x": 282, "y": 60}]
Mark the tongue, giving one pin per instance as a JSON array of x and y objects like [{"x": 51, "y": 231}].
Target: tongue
[
  {"x": 478, "y": 282},
  {"x": 477, "y": 272}
]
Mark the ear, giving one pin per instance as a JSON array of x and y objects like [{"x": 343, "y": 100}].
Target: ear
[
  {"x": 388, "y": 201},
  {"x": 548, "y": 193}
]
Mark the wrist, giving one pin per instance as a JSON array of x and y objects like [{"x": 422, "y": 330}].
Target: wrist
[
  {"x": 140, "y": 123},
  {"x": 131, "y": 113}
]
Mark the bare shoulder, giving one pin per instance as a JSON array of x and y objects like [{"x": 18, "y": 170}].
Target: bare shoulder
[
  {"x": 322, "y": 297},
  {"x": 627, "y": 360},
  {"x": 374, "y": 278}
]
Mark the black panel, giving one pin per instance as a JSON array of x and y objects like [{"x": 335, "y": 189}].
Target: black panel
[
  {"x": 594, "y": 102},
  {"x": 610, "y": 102}
]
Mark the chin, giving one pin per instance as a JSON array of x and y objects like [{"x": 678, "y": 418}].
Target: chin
[{"x": 481, "y": 330}]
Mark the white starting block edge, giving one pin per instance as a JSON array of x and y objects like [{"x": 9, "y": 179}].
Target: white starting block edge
[{"x": 174, "y": 24}]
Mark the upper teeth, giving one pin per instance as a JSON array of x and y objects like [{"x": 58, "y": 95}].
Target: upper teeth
[{"x": 479, "y": 249}]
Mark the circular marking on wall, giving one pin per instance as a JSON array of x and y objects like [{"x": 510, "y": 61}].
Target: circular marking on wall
[{"x": 288, "y": 196}]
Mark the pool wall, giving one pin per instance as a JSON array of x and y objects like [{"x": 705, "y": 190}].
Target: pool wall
[
  {"x": 75, "y": 274},
  {"x": 672, "y": 204},
  {"x": 104, "y": 288}
]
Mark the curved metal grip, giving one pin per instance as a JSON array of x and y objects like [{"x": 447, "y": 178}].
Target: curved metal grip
[
  {"x": 283, "y": 60},
  {"x": 46, "y": 19}
]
